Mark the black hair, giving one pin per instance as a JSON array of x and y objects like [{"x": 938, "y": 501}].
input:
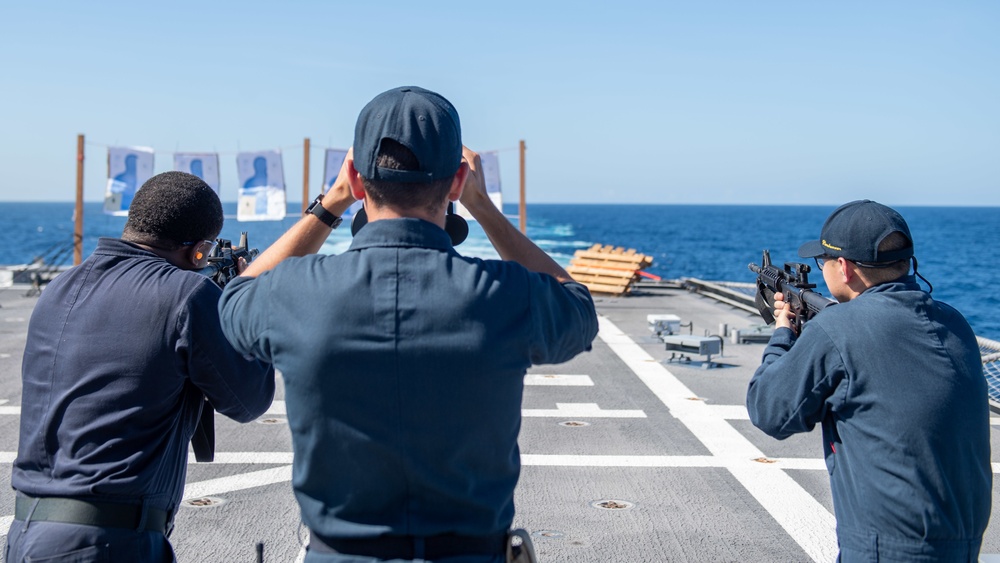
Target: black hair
[
  {"x": 882, "y": 273},
  {"x": 426, "y": 195},
  {"x": 173, "y": 208}
]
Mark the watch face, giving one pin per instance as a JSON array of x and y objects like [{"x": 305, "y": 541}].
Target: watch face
[{"x": 315, "y": 202}]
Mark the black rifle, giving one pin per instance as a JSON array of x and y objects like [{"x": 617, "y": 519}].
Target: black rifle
[
  {"x": 224, "y": 260},
  {"x": 793, "y": 283},
  {"x": 223, "y": 267}
]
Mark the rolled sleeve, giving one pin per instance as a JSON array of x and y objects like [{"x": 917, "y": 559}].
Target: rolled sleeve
[{"x": 564, "y": 318}]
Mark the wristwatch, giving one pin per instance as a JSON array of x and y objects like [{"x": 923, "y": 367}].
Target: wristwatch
[{"x": 317, "y": 209}]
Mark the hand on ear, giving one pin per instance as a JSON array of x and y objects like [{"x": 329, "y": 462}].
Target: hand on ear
[
  {"x": 348, "y": 181},
  {"x": 475, "y": 185}
]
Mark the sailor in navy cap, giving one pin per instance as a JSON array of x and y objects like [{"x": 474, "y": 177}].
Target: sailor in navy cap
[
  {"x": 404, "y": 360},
  {"x": 895, "y": 379}
]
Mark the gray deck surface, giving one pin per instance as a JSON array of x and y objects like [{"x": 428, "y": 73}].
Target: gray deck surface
[{"x": 668, "y": 443}]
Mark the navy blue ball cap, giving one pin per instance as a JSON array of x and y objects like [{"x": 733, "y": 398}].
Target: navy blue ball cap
[
  {"x": 854, "y": 231},
  {"x": 420, "y": 120}
]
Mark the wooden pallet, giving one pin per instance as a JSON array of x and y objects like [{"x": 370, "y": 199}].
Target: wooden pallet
[{"x": 607, "y": 269}]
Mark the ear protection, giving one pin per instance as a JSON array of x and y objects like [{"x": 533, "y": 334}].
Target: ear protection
[
  {"x": 359, "y": 220},
  {"x": 200, "y": 257},
  {"x": 454, "y": 224}
]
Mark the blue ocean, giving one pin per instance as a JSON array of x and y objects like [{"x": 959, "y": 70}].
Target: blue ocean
[{"x": 710, "y": 242}]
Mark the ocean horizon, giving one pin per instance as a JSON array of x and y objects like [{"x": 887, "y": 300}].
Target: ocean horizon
[{"x": 705, "y": 241}]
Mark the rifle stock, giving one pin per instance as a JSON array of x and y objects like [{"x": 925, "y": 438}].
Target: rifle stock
[{"x": 793, "y": 282}]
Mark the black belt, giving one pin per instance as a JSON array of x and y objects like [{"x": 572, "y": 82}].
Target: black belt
[
  {"x": 90, "y": 513},
  {"x": 412, "y": 547}
]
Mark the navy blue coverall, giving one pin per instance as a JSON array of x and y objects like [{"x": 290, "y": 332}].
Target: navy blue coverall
[
  {"x": 895, "y": 378},
  {"x": 121, "y": 352},
  {"x": 403, "y": 364}
]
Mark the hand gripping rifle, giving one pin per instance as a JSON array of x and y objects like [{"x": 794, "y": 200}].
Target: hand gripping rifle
[
  {"x": 223, "y": 267},
  {"x": 793, "y": 283},
  {"x": 224, "y": 260}
]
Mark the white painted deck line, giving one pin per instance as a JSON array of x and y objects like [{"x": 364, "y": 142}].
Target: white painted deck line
[
  {"x": 277, "y": 408},
  {"x": 569, "y": 460},
  {"x": 730, "y": 412},
  {"x": 813, "y": 464},
  {"x": 621, "y": 460},
  {"x": 558, "y": 379},
  {"x": 283, "y": 474},
  {"x": 802, "y": 516},
  {"x": 556, "y": 460},
  {"x": 553, "y": 460},
  {"x": 239, "y": 482},
  {"x": 15, "y": 410},
  {"x": 581, "y": 410},
  {"x": 247, "y": 458}
]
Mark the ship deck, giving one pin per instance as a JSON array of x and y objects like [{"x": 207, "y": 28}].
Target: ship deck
[{"x": 627, "y": 455}]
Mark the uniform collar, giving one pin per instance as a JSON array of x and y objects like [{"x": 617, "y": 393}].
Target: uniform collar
[
  {"x": 107, "y": 246},
  {"x": 903, "y": 283},
  {"x": 401, "y": 232}
]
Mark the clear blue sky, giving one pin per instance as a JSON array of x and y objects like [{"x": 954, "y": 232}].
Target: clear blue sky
[{"x": 632, "y": 102}]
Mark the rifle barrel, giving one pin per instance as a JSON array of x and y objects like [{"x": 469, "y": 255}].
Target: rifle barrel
[{"x": 777, "y": 280}]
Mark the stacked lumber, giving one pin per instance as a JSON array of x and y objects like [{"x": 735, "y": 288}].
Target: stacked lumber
[{"x": 607, "y": 269}]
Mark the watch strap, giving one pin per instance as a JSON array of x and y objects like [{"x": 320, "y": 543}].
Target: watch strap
[{"x": 329, "y": 219}]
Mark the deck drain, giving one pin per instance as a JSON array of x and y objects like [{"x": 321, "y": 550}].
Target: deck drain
[
  {"x": 574, "y": 423},
  {"x": 612, "y": 504},
  {"x": 203, "y": 502},
  {"x": 271, "y": 420},
  {"x": 547, "y": 534}
]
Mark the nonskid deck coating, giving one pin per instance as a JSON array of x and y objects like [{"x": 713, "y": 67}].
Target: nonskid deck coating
[{"x": 658, "y": 461}]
